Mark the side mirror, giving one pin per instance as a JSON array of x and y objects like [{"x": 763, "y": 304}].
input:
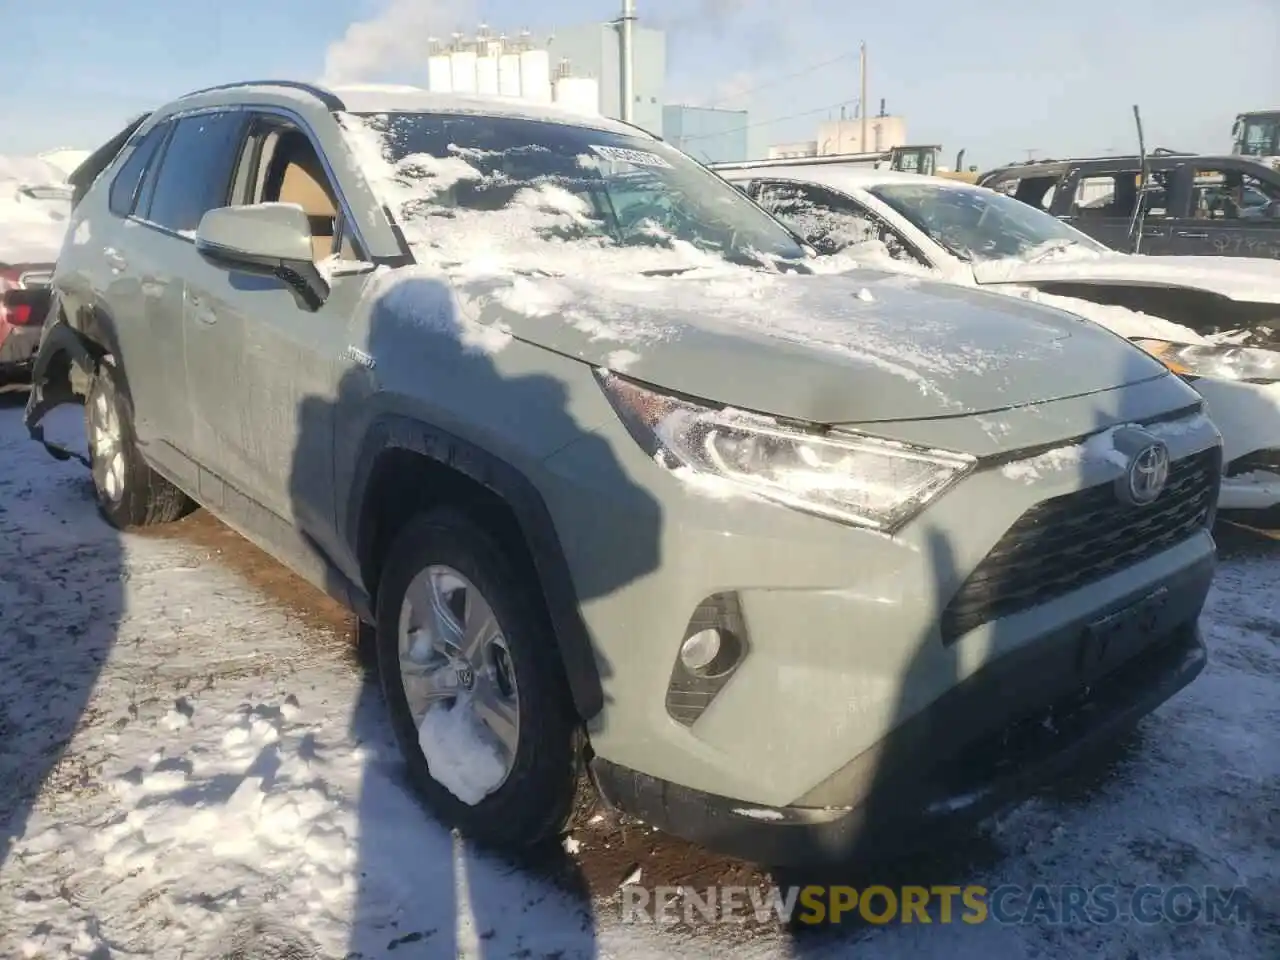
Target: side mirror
[{"x": 265, "y": 239}]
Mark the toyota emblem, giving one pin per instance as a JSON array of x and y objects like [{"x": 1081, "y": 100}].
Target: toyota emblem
[{"x": 1148, "y": 474}]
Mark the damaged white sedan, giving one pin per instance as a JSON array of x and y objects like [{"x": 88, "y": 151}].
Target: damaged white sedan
[{"x": 1213, "y": 320}]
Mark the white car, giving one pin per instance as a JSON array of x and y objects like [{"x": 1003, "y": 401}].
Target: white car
[{"x": 1213, "y": 320}]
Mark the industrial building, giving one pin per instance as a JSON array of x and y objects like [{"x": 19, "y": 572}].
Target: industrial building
[
  {"x": 706, "y": 133},
  {"x": 594, "y": 51},
  {"x": 581, "y": 68},
  {"x": 882, "y": 133}
]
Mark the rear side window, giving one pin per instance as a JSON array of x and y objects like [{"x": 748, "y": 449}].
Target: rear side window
[
  {"x": 124, "y": 188},
  {"x": 195, "y": 171}
]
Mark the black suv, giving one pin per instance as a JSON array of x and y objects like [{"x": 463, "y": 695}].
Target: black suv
[{"x": 1194, "y": 205}]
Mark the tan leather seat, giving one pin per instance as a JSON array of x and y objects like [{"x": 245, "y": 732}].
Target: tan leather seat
[{"x": 305, "y": 184}]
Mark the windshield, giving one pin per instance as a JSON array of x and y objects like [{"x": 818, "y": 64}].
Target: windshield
[
  {"x": 978, "y": 224},
  {"x": 521, "y": 189}
]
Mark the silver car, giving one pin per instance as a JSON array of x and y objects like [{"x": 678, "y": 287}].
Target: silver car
[{"x": 633, "y": 497}]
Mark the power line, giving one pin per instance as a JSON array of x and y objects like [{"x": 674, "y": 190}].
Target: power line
[
  {"x": 765, "y": 123},
  {"x": 783, "y": 79}
]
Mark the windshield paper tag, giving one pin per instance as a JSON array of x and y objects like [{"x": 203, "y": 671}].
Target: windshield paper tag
[{"x": 641, "y": 158}]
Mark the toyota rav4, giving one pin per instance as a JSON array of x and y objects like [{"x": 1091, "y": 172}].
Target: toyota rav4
[{"x": 632, "y": 494}]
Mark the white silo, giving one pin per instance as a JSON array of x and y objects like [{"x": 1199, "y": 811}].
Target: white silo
[
  {"x": 440, "y": 73},
  {"x": 463, "y": 63},
  {"x": 579, "y": 94},
  {"x": 535, "y": 75},
  {"x": 509, "y": 74},
  {"x": 487, "y": 76}
]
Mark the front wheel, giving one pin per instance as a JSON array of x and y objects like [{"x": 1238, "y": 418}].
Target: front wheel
[
  {"x": 470, "y": 674},
  {"x": 130, "y": 493}
]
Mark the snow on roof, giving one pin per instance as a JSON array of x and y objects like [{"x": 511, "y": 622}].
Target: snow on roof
[
  {"x": 379, "y": 98},
  {"x": 841, "y": 177}
]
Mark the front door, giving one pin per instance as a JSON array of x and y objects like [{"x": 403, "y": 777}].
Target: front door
[
  {"x": 264, "y": 368},
  {"x": 1227, "y": 212},
  {"x": 1101, "y": 203}
]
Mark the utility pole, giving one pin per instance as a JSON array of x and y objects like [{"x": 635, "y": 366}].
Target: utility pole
[
  {"x": 862, "y": 96},
  {"x": 627, "y": 71}
]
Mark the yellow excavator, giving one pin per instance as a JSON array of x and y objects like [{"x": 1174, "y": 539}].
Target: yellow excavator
[{"x": 1257, "y": 134}]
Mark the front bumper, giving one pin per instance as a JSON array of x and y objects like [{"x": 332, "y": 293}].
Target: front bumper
[
  {"x": 1248, "y": 416},
  {"x": 1006, "y": 753},
  {"x": 843, "y": 627}
]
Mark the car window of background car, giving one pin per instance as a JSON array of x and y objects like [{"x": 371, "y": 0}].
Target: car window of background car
[
  {"x": 825, "y": 219},
  {"x": 1035, "y": 191},
  {"x": 124, "y": 188},
  {"x": 602, "y": 169},
  {"x": 980, "y": 224},
  {"x": 1116, "y": 194},
  {"x": 195, "y": 170},
  {"x": 830, "y": 221},
  {"x": 1231, "y": 195}
]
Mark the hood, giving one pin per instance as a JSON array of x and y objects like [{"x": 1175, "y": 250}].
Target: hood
[
  {"x": 33, "y": 213},
  {"x": 1236, "y": 278},
  {"x": 860, "y": 347}
]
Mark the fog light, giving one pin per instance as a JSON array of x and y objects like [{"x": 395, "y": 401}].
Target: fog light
[{"x": 700, "y": 651}]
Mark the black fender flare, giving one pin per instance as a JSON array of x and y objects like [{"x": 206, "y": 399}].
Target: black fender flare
[
  {"x": 393, "y": 431},
  {"x": 58, "y": 339}
]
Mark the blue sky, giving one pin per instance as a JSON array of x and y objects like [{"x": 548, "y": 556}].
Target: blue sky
[{"x": 997, "y": 77}]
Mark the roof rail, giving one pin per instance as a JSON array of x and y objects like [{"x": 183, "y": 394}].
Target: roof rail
[{"x": 330, "y": 100}]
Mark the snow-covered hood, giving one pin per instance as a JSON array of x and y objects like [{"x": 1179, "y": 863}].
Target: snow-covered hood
[
  {"x": 1236, "y": 278},
  {"x": 827, "y": 349}
]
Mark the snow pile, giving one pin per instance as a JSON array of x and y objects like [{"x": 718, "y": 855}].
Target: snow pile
[
  {"x": 31, "y": 228},
  {"x": 459, "y": 754},
  {"x": 540, "y": 255},
  {"x": 1100, "y": 448}
]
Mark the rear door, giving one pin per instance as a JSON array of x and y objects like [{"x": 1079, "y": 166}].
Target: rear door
[
  {"x": 193, "y": 176},
  {"x": 102, "y": 275},
  {"x": 1100, "y": 201},
  {"x": 1227, "y": 208},
  {"x": 264, "y": 369}
]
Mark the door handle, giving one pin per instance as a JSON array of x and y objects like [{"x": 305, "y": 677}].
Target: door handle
[
  {"x": 1192, "y": 234},
  {"x": 1153, "y": 232}
]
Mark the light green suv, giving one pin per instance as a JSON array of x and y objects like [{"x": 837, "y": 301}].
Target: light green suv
[{"x": 788, "y": 563}]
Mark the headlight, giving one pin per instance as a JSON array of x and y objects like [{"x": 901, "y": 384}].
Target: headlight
[
  {"x": 1244, "y": 364},
  {"x": 845, "y": 477}
]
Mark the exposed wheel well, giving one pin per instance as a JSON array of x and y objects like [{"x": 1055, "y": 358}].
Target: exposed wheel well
[{"x": 404, "y": 483}]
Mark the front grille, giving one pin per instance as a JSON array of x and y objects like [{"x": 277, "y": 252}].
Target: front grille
[{"x": 1071, "y": 541}]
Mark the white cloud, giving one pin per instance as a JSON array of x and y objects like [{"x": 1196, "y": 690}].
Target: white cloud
[{"x": 394, "y": 39}]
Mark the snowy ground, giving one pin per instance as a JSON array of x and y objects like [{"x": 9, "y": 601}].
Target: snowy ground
[{"x": 195, "y": 765}]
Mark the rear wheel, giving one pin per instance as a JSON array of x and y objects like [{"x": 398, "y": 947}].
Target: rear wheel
[
  {"x": 477, "y": 698},
  {"x": 130, "y": 493}
]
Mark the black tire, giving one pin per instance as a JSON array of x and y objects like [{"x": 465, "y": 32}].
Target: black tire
[
  {"x": 544, "y": 789},
  {"x": 144, "y": 498}
]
